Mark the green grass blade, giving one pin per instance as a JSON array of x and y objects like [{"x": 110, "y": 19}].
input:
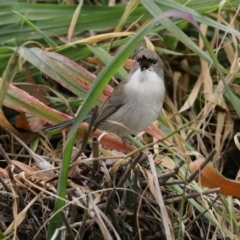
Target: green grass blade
[
  {"x": 49, "y": 41},
  {"x": 8, "y": 76},
  {"x": 200, "y": 18},
  {"x": 105, "y": 57}
]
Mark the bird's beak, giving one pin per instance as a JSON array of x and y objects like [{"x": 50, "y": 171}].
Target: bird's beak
[{"x": 144, "y": 64}]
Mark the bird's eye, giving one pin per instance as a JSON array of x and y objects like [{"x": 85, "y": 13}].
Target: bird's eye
[
  {"x": 153, "y": 61},
  {"x": 139, "y": 59}
]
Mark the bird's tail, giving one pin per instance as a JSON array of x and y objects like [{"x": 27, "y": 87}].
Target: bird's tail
[{"x": 64, "y": 124}]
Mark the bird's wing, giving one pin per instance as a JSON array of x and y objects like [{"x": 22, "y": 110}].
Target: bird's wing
[{"x": 112, "y": 104}]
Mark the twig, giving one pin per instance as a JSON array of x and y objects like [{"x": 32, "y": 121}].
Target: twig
[
  {"x": 86, "y": 135},
  {"x": 95, "y": 152},
  {"x": 68, "y": 227},
  {"x": 160, "y": 201},
  {"x": 206, "y": 161}
]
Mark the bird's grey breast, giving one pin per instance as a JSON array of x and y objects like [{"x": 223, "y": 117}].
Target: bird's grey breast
[{"x": 143, "y": 96}]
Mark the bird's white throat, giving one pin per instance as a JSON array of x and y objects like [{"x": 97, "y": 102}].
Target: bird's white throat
[{"x": 147, "y": 84}]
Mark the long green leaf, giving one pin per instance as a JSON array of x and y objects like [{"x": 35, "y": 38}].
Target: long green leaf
[
  {"x": 48, "y": 40},
  {"x": 8, "y": 75},
  {"x": 54, "y": 20},
  {"x": 61, "y": 69},
  {"x": 193, "y": 8},
  {"x": 105, "y": 57}
]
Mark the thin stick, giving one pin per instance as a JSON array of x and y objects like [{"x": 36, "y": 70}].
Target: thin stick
[{"x": 161, "y": 204}]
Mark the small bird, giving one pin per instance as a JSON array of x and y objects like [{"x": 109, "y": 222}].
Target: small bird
[{"x": 136, "y": 102}]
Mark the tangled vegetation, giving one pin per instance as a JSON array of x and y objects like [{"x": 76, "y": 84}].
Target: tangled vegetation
[{"x": 176, "y": 180}]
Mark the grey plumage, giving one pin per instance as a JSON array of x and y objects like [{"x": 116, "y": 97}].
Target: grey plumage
[{"x": 136, "y": 102}]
